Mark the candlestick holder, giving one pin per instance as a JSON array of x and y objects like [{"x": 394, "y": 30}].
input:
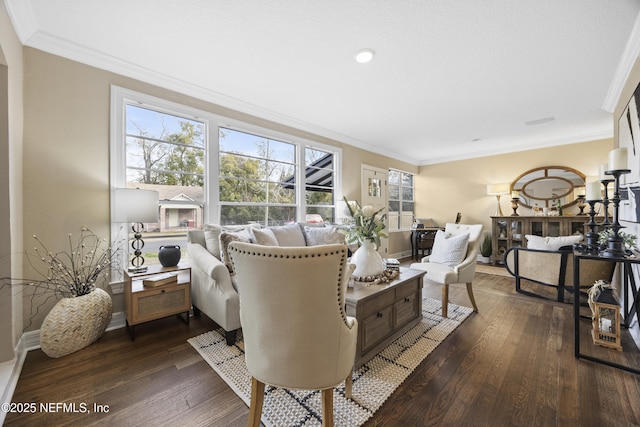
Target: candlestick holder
[
  {"x": 615, "y": 242},
  {"x": 514, "y": 206},
  {"x": 592, "y": 235},
  {"x": 581, "y": 205},
  {"x": 605, "y": 201}
]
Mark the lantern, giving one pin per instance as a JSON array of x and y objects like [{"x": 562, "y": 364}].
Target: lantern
[{"x": 605, "y": 315}]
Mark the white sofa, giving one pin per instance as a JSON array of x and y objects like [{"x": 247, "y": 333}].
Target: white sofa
[{"x": 213, "y": 290}]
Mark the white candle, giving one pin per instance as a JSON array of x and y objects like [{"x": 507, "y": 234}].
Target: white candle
[
  {"x": 603, "y": 176},
  {"x": 618, "y": 159},
  {"x": 515, "y": 195},
  {"x": 593, "y": 191}
]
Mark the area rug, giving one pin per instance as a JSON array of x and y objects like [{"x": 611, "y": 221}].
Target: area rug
[{"x": 373, "y": 383}]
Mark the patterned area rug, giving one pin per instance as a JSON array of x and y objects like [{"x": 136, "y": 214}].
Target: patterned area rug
[{"x": 373, "y": 383}]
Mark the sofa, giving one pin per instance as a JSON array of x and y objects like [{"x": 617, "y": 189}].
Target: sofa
[{"x": 213, "y": 288}]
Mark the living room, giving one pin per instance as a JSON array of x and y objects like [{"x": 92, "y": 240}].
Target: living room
[{"x": 55, "y": 172}]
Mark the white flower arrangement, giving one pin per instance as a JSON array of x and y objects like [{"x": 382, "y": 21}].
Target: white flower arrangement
[{"x": 367, "y": 224}]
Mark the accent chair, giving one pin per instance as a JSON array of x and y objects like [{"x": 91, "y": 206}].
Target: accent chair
[
  {"x": 452, "y": 260},
  {"x": 292, "y": 310}
]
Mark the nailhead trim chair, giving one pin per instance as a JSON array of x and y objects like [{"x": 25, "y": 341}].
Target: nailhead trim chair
[{"x": 292, "y": 310}]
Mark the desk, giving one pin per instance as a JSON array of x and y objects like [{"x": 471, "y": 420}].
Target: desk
[
  {"x": 628, "y": 308},
  {"x": 422, "y": 239}
]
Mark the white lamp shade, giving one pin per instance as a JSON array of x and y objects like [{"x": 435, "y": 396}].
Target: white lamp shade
[
  {"x": 498, "y": 189},
  {"x": 135, "y": 205}
]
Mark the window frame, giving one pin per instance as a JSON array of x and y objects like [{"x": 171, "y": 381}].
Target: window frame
[
  {"x": 121, "y": 96},
  {"x": 400, "y": 199}
]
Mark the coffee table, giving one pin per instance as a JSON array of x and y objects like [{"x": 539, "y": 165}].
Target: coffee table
[{"x": 384, "y": 311}]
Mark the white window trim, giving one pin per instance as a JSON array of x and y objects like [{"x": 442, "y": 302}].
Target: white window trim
[
  {"x": 402, "y": 230},
  {"x": 120, "y": 96}
]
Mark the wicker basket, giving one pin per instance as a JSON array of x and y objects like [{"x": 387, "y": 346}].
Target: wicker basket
[{"x": 74, "y": 323}]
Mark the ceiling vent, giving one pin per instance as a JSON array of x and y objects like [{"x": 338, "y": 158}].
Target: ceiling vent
[{"x": 540, "y": 121}]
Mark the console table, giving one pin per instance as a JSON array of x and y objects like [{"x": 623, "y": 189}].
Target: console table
[
  {"x": 630, "y": 306},
  {"x": 510, "y": 231}
]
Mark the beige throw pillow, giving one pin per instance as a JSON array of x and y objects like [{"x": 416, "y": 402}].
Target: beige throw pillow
[
  {"x": 212, "y": 239},
  {"x": 289, "y": 235},
  {"x": 265, "y": 237},
  {"x": 323, "y": 236},
  {"x": 551, "y": 243}
]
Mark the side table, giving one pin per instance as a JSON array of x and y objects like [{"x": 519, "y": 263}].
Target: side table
[
  {"x": 144, "y": 304},
  {"x": 629, "y": 308}
]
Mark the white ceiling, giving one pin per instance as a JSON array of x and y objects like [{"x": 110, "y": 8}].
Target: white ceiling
[{"x": 445, "y": 72}]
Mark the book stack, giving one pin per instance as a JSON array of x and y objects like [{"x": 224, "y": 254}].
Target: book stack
[
  {"x": 160, "y": 280},
  {"x": 392, "y": 264}
]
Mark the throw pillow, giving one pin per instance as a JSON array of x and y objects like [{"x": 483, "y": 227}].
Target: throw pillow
[
  {"x": 265, "y": 237},
  {"x": 288, "y": 235},
  {"x": 551, "y": 243},
  {"x": 449, "y": 249},
  {"x": 323, "y": 236},
  {"x": 228, "y": 237},
  {"x": 212, "y": 239}
]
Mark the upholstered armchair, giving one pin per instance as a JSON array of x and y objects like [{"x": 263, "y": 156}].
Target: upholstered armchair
[
  {"x": 292, "y": 308},
  {"x": 453, "y": 260}
]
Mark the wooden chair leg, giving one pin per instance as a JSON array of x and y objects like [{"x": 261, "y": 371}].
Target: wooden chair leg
[
  {"x": 473, "y": 300},
  {"x": 327, "y": 407},
  {"x": 445, "y": 300},
  {"x": 257, "y": 399},
  {"x": 348, "y": 386}
]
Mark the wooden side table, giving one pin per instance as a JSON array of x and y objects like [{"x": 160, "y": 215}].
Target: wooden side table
[{"x": 144, "y": 304}]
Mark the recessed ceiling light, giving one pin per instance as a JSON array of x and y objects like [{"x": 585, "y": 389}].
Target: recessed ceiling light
[{"x": 364, "y": 55}]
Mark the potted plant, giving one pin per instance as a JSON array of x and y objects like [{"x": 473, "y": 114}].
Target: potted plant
[
  {"x": 367, "y": 229},
  {"x": 485, "y": 249}
]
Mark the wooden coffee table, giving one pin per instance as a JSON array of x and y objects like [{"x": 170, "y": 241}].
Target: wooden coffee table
[{"x": 384, "y": 311}]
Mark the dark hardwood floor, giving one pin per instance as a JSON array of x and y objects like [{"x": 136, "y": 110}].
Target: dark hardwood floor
[{"x": 510, "y": 364}]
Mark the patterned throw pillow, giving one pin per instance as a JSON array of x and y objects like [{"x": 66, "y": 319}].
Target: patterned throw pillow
[
  {"x": 449, "y": 249},
  {"x": 228, "y": 237}
]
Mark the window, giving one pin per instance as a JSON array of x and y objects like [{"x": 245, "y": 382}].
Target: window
[
  {"x": 162, "y": 147},
  {"x": 259, "y": 180},
  {"x": 211, "y": 169},
  {"x": 401, "y": 202}
]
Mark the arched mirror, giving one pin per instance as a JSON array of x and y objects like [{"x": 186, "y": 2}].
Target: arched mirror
[{"x": 546, "y": 185}]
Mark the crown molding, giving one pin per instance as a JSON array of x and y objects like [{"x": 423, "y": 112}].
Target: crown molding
[
  {"x": 629, "y": 57},
  {"x": 54, "y": 45},
  {"x": 576, "y": 139},
  {"x": 22, "y": 18}
]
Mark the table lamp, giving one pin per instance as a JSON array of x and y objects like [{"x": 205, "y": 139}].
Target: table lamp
[
  {"x": 498, "y": 190},
  {"x": 136, "y": 206}
]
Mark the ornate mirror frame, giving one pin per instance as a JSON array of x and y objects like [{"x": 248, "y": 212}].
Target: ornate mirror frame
[{"x": 547, "y": 184}]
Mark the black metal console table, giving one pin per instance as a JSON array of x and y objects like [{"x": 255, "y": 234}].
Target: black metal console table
[{"x": 629, "y": 308}]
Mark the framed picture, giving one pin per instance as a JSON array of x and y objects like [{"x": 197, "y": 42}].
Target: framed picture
[{"x": 629, "y": 137}]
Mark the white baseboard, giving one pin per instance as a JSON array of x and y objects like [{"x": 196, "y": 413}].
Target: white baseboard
[
  {"x": 10, "y": 370},
  {"x": 9, "y": 375}
]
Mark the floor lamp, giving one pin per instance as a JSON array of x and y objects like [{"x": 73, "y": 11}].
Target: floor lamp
[
  {"x": 135, "y": 206},
  {"x": 498, "y": 190}
]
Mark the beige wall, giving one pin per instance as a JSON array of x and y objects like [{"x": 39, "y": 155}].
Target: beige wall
[
  {"x": 461, "y": 186},
  {"x": 11, "y": 124},
  {"x": 66, "y": 149},
  {"x": 66, "y": 145}
]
